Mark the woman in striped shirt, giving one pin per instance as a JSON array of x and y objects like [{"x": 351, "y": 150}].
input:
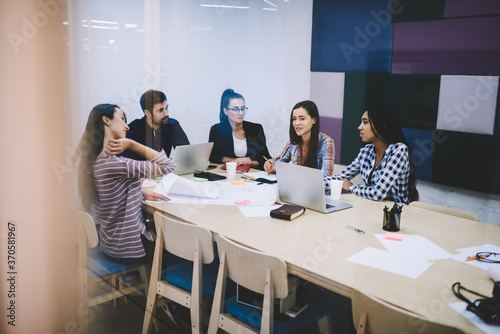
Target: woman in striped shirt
[
  {"x": 307, "y": 146},
  {"x": 111, "y": 185}
]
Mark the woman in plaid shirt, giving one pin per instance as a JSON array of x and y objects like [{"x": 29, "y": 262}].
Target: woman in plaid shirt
[
  {"x": 386, "y": 163},
  {"x": 302, "y": 148}
]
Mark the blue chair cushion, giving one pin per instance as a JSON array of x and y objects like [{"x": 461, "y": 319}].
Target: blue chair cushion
[
  {"x": 317, "y": 308},
  {"x": 181, "y": 275},
  {"x": 100, "y": 265}
]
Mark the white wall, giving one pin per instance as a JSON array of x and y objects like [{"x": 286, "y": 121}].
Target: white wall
[{"x": 195, "y": 50}]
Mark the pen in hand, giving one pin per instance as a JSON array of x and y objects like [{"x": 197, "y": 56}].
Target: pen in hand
[{"x": 270, "y": 161}]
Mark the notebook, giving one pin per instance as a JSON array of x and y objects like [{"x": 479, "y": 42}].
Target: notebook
[
  {"x": 304, "y": 186},
  {"x": 191, "y": 158}
]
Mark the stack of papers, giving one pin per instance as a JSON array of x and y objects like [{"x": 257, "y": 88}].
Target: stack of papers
[
  {"x": 409, "y": 257},
  {"x": 181, "y": 190}
]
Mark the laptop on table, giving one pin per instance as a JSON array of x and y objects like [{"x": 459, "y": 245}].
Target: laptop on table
[
  {"x": 191, "y": 158},
  {"x": 304, "y": 186}
]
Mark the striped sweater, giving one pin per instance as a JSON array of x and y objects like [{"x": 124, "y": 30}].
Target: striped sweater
[{"x": 118, "y": 183}]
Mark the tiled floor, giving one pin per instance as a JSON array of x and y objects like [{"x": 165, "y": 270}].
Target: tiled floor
[{"x": 127, "y": 318}]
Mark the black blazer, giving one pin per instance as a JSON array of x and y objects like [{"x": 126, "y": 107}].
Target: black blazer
[
  {"x": 221, "y": 135},
  {"x": 172, "y": 135}
]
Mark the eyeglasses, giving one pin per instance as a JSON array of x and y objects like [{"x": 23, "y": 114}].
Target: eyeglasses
[
  {"x": 485, "y": 257},
  {"x": 237, "y": 110}
]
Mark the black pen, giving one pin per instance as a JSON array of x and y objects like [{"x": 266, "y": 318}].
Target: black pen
[{"x": 355, "y": 229}]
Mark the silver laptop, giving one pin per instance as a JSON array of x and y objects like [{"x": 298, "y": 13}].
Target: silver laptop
[
  {"x": 191, "y": 158},
  {"x": 304, "y": 186}
]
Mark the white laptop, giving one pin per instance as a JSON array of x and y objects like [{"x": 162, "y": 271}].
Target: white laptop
[
  {"x": 191, "y": 158},
  {"x": 304, "y": 186}
]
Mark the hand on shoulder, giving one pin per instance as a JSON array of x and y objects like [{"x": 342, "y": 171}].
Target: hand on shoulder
[{"x": 117, "y": 146}]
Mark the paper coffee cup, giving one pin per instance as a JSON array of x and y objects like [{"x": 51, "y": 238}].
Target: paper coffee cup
[
  {"x": 336, "y": 188},
  {"x": 231, "y": 170}
]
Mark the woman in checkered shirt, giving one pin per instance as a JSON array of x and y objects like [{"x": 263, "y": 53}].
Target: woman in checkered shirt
[
  {"x": 307, "y": 146},
  {"x": 386, "y": 163}
]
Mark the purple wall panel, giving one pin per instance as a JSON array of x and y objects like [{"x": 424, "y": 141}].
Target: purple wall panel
[
  {"x": 333, "y": 127},
  {"x": 467, "y": 46},
  {"x": 457, "y": 8}
]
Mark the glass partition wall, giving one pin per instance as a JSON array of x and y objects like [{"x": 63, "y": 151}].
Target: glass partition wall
[{"x": 192, "y": 51}]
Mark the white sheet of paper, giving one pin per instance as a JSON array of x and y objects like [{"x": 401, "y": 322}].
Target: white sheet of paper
[
  {"x": 472, "y": 251},
  {"x": 460, "y": 307},
  {"x": 257, "y": 211},
  {"x": 384, "y": 260},
  {"x": 172, "y": 184},
  {"x": 181, "y": 190},
  {"x": 414, "y": 246},
  {"x": 263, "y": 174}
]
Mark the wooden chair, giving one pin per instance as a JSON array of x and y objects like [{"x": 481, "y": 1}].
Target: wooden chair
[
  {"x": 372, "y": 315},
  {"x": 337, "y": 168},
  {"x": 95, "y": 266},
  {"x": 264, "y": 274},
  {"x": 185, "y": 283},
  {"x": 445, "y": 210}
]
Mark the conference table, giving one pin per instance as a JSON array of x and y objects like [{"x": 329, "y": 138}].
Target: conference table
[{"x": 316, "y": 246}]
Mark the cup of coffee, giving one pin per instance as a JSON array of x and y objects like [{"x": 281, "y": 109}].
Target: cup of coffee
[
  {"x": 336, "y": 188},
  {"x": 231, "y": 170}
]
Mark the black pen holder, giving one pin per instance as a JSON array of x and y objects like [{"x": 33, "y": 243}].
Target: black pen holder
[{"x": 392, "y": 219}]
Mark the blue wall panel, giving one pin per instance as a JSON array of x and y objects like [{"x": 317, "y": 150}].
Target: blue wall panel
[
  {"x": 351, "y": 36},
  {"x": 422, "y": 145}
]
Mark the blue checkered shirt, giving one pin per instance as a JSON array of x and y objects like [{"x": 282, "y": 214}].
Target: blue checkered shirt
[{"x": 389, "y": 179}]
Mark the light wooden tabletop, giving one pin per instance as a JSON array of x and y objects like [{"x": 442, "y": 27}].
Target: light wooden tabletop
[{"x": 315, "y": 247}]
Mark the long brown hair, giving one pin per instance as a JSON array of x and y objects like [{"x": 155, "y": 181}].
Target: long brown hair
[
  {"x": 313, "y": 148},
  {"x": 385, "y": 121},
  {"x": 91, "y": 146}
]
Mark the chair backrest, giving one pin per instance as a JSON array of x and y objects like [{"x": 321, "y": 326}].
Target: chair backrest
[
  {"x": 87, "y": 224},
  {"x": 445, "y": 210},
  {"x": 248, "y": 267},
  {"x": 337, "y": 168},
  {"x": 372, "y": 315},
  {"x": 180, "y": 238}
]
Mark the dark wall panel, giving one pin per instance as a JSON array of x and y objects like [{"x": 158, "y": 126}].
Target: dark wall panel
[
  {"x": 468, "y": 161},
  {"x": 466, "y": 46},
  {"x": 415, "y": 98},
  {"x": 410, "y": 10},
  {"x": 458, "y": 8}
]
